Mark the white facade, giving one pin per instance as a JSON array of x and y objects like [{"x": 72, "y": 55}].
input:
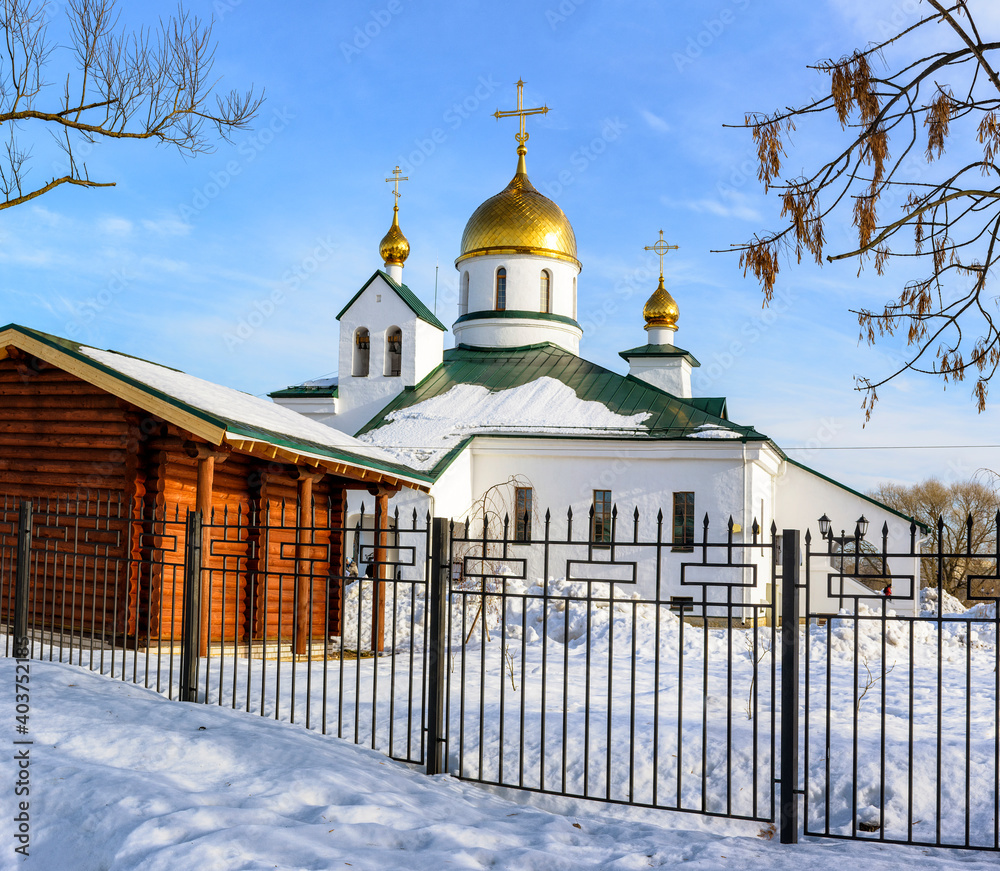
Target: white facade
[
  {"x": 547, "y": 315},
  {"x": 370, "y": 378}
]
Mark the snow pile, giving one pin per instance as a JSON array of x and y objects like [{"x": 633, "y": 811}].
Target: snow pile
[{"x": 422, "y": 434}]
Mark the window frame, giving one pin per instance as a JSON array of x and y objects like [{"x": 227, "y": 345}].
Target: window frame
[
  {"x": 523, "y": 507},
  {"x": 545, "y": 292},
  {"x": 500, "y": 290},
  {"x": 603, "y": 507},
  {"x": 683, "y": 529}
]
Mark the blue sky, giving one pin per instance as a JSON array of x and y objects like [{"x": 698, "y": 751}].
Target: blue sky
[{"x": 181, "y": 261}]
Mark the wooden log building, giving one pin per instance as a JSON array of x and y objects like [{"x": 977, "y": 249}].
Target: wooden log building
[{"x": 113, "y": 451}]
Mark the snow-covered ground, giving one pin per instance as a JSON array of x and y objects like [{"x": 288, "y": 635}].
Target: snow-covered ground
[{"x": 121, "y": 778}]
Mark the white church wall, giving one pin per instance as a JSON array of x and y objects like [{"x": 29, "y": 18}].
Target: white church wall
[
  {"x": 803, "y": 496},
  {"x": 378, "y": 309},
  {"x": 523, "y": 282},
  {"x": 565, "y": 473}
]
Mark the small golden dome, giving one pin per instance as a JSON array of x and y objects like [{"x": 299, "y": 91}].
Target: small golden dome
[
  {"x": 519, "y": 220},
  {"x": 660, "y": 309},
  {"x": 394, "y": 249}
]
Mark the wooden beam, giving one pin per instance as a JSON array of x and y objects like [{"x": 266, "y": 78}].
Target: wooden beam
[{"x": 304, "y": 538}]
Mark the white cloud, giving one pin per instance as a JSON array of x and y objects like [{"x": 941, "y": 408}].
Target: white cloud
[
  {"x": 655, "y": 121},
  {"x": 114, "y": 226},
  {"x": 168, "y": 225},
  {"x": 730, "y": 205}
]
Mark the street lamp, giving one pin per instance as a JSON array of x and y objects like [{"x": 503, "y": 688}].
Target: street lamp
[{"x": 860, "y": 530}]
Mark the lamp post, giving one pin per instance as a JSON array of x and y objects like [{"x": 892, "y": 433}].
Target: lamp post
[{"x": 860, "y": 531}]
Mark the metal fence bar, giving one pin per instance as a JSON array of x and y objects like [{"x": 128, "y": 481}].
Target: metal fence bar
[
  {"x": 191, "y": 609},
  {"x": 22, "y": 646},
  {"x": 436, "y": 748},
  {"x": 789, "y": 821}
]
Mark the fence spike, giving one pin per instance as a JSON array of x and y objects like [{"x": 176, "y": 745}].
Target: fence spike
[
  {"x": 731, "y": 524},
  {"x": 704, "y": 523},
  {"x": 755, "y": 528},
  {"x": 659, "y": 517},
  {"x": 548, "y": 515},
  {"x": 614, "y": 511},
  {"x": 808, "y": 537},
  {"x": 774, "y": 528}
]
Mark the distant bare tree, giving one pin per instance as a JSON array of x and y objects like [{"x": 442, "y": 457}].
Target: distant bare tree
[
  {"x": 954, "y": 503},
  {"x": 107, "y": 83}
]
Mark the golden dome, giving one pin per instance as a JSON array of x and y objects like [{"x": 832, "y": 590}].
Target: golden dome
[
  {"x": 394, "y": 249},
  {"x": 660, "y": 309},
  {"x": 519, "y": 220}
]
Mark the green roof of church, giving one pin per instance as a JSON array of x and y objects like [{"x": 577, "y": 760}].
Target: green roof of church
[
  {"x": 405, "y": 294},
  {"x": 670, "y": 417}
]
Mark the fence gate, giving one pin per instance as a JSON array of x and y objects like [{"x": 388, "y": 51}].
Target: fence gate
[
  {"x": 622, "y": 669},
  {"x": 901, "y": 704}
]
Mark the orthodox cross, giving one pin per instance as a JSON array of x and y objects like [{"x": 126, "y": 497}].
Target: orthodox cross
[
  {"x": 396, "y": 179},
  {"x": 520, "y": 112},
  {"x": 661, "y": 248}
]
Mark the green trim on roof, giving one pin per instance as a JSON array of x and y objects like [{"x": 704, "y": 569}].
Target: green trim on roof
[
  {"x": 659, "y": 351},
  {"x": 405, "y": 294},
  {"x": 670, "y": 417},
  {"x": 305, "y": 391},
  {"x": 230, "y": 426},
  {"x": 518, "y": 313},
  {"x": 712, "y": 404},
  {"x": 854, "y": 492}
]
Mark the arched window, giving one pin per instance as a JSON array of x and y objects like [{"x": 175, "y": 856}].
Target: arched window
[
  {"x": 362, "y": 344},
  {"x": 463, "y": 299},
  {"x": 574, "y": 298},
  {"x": 546, "y": 294},
  {"x": 393, "y": 351},
  {"x": 501, "y": 304}
]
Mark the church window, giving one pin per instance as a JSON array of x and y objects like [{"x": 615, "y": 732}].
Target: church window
[
  {"x": 463, "y": 299},
  {"x": 393, "y": 351},
  {"x": 683, "y": 521},
  {"x": 546, "y": 301},
  {"x": 601, "y": 528},
  {"x": 362, "y": 346},
  {"x": 522, "y": 514},
  {"x": 574, "y": 298},
  {"x": 501, "y": 304}
]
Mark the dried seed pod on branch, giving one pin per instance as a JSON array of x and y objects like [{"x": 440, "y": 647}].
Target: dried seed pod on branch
[{"x": 913, "y": 173}]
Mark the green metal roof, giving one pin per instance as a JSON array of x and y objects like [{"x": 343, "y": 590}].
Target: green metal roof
[
  {"x": 305, "y": 390},
  {"x": 659, "y": 351},
  {"x": 405, "y": 294},
  {"x": 503, "y": 368}
]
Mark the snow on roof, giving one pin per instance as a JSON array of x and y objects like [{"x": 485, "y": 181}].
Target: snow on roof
[
  {"x": 232, "y": 405},
  {"x": 420, "y": 435},
  {"x": 713, "y": 431}
]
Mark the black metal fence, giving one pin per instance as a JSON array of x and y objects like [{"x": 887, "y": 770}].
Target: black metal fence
[{"x": 626, "y": 669}]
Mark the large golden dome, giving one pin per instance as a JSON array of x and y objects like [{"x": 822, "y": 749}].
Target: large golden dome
[
  {"x": 661, "y": 309},
  {"x": 519, "y": 220},
  {"x": 394, "y": 247}
]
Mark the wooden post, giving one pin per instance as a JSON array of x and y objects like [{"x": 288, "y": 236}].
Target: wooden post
[
  {"x": 303, "y": 575},
  {"x": 378, "y": 584},
  {"x": 207, "y": 457},
  {"x": 382, "y": 571},
  {"x": 203, "y": 504}
]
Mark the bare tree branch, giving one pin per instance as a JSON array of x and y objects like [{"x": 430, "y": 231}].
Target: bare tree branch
[
  {"x": 950, "y": 314},
  {"x": 150, "y": 84}
]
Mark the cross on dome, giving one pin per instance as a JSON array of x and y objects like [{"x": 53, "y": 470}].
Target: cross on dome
[
  {"x": 397, "y": 178},
  {"x": 661, "y": 248},
  {"x": 520, "y": 113}
]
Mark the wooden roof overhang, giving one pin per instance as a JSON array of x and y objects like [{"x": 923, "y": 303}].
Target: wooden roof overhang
[{"x": 204, "y": 426}]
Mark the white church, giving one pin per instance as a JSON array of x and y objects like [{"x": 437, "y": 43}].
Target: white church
[{"x": 513, "y": 420}]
